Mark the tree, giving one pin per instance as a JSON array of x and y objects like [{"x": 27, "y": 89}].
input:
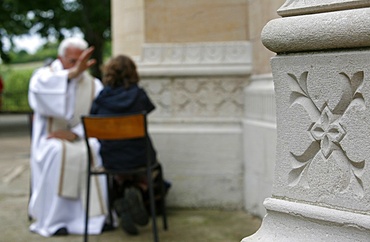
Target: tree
[
  {"x": 11, "y": 23},
  {"x": 57, "y": 18}
]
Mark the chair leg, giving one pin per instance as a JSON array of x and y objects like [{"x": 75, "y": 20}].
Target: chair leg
[
  {"x": 87, "y": 207},
  {"x": 152, "y": 205},
  {"x": 164, "y": 214},
  {"x": 110, "y": 200},
  {"x": 29, "y": 200},
  {"x": 163, "y": 200}
]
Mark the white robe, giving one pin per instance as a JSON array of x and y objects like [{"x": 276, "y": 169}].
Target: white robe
[{"x": 51, "y": 95}]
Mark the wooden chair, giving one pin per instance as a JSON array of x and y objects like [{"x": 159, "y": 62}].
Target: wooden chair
[{"x": 123, "y": 127}]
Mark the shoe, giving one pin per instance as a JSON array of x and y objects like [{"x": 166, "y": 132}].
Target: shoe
[
  {"x": 134, "y": 202},
  {"x": 61, "y": 232},
  {"x": 128, "y": 225},
  {"x": 118, "y": 206},
  {"x": 108, "y": 227},
  {"x": 167, "y": 186}
]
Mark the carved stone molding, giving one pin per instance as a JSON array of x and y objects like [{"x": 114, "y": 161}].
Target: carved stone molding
[
  {"x": 301, "y": 7},
  {"x": 292, "y": 221},
  {"x": 196, "y": 79},
  {"x": 260, "y": 100},
  {"x": 194, "y": 59},
  {"x": 197, "y": 97},
  {"x": 326, "y": 31}
]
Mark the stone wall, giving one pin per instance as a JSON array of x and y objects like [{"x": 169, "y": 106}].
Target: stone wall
[
  {"x": 203, "y": 64},
  {"x": 197, "y": 129},
  {"x": 127, "y": 26}
]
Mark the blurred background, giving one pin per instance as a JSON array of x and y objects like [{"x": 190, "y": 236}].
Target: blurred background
[{"x": 203, "y": 65}]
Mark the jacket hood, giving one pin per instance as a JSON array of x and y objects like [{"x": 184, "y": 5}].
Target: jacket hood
[{"x": 118, "y": 98}]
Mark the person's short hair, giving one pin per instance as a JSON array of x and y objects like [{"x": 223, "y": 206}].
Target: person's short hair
[
  {"x": 120, "y": 71},
  {"x": 72, "y": 42}
]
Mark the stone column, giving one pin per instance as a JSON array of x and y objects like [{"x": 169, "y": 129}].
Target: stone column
[
  {"x": 128, "y": 26},
  {"x": 321, "y": 73},
  {"x": 259, "y": 121}
]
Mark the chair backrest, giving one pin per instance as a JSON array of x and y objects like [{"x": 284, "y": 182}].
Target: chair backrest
[{"x": 127, "y": 126}]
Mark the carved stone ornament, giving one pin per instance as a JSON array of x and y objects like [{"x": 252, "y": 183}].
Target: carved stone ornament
[
  {"x": 327, "y": 132},
  {"x": 323, "y": 106},
  {"x": 196, "y": 59},
  {"x": 197, "y": 97},
  {"x": 204, "y": 80},
  {"x": 321, "y": 190}
]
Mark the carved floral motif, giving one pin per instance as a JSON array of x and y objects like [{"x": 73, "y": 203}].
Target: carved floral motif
[{"x": 326, "y": 130}]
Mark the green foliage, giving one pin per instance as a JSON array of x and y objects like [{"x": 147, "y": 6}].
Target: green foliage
[
  {"x": 107, "y": 50},
  {"x": 13, "y": 22},
  {"x": 53, "y": 18},
  {"x": 48, "y": 51},
  {"x": 15, "y": 94}
]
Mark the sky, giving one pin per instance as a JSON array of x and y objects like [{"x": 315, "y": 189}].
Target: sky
[{"x": 30, "y": 43}]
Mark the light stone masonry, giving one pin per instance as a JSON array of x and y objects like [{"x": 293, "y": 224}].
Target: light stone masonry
[
  {"x": 198, "y": 92},
  {"x": 203, "y": 64}
]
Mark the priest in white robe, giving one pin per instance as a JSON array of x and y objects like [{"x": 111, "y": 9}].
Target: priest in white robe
[{"x": 59, "y": 94}]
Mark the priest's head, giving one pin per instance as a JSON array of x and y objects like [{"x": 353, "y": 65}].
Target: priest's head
[{"x": 69, "y": 50}]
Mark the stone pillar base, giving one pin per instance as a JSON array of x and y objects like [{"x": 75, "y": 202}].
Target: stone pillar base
[
  {"x": 292, "y": 221},
  {"x": 321, "y": 78}
]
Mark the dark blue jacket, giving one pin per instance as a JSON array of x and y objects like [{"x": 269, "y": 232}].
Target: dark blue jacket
[{"x": 123, "y": 154}]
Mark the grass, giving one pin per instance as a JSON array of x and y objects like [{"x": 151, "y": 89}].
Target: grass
[{"x": 14, "y": 97}]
